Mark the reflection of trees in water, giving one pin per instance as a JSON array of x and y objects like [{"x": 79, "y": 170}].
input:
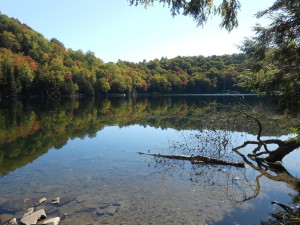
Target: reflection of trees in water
[
  {"x": 30, "y": 129},
  {"x": 239, "y": 184},
  {"x": 236, "y": 182}
]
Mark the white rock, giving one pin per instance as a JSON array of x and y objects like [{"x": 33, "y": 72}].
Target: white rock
[
  {"x": 29, "y": 212},
  {"x": 55, "y": 200},
  {"x": 50, "y": 221},
  {"x": 34, "y": 217},
  {"x": 42, "y": 200},
  {"x": 13, "y": 221}
]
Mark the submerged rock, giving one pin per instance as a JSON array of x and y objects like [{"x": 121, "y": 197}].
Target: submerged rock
[
  {"x": 82, "y": 198},
  {"x": 29, "y": 212},
  {"x": 66, "y": 199},
  {"x": 30, "y": 216},
  {"x": 55, "y": 200},
  {"x": 34, "y": 217},
  {"x": 13, "y": 221},
  {"x": 40, "y": 201},
  {"x": 106, "y": 211},
  {"x": 111, "y": 210},
  {"x": 16, "y": 205},
  {"x": 50, "y": 221},
  {"x": 4, "y": 218}
]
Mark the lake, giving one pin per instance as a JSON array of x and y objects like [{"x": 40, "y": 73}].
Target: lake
[{"x": 86, "y": 152}]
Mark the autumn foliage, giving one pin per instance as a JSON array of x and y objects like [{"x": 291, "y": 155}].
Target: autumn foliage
[{"x": 32, "y": 65}]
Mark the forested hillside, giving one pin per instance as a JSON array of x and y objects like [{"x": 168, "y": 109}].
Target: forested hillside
[{"x": 32, "y": 65}]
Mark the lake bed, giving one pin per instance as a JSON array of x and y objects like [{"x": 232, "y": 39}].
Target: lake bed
[{"x": 89, "y": 157}]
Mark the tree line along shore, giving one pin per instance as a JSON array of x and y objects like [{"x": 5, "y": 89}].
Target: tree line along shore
[{"x": 31, "y": 65}]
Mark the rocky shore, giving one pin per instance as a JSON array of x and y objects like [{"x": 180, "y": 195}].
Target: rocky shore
[
  {"x": 56, "y": 211},
  {"x": 33, "y": 215}
]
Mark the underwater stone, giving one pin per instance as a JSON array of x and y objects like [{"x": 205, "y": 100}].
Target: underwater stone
[
  {"x": 13, "y": 221},
  {"x": 55, "y": 200},
  {"x": 34, "y": 217},
  {"x": 29, "y": 212},
  {"x": 5, "y": 218},
  {"x": 50, "y": 221},
  {"x": 42, "y": 200}
]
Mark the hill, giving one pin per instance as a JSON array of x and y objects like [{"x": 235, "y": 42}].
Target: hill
[{"x": 32, "y": 65}]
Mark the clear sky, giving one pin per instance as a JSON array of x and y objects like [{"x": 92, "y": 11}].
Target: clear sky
[{"x": 114, "y": 30}]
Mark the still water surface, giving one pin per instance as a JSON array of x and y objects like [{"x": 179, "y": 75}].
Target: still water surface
[{"x": 86, "y": 153}]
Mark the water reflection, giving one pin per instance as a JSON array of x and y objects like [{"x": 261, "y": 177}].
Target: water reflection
[
  {"x": 29, "y": 129},
  {"x": 99, "y": 181},
  {"x": 238, "y": 184},
  {"x": 224, "y": 146}
]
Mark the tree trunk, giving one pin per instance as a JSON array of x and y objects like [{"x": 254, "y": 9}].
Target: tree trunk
[
  {"x": 283, "y": 149},
  {"x": 197, "y": 159}
]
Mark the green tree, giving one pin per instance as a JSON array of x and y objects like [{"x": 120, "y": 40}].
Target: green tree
[
  {"x": 159, "y": 83},
  {"x": 274, "y": 55},
  {"x": 118, "y": 84},
  {"x": 25, "y": 76},
  {"x": 43, "y": 67},
  {"x": 85, "y": 81},
  {"x": 9, "y": 40},
  {"x": 201, "y": 10},
  {"x": 10, "y": 85},
  {"x": 103, "y": 85}
]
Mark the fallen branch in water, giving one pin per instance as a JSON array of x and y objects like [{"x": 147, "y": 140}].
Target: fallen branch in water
[{"x": 197, "y": 159}]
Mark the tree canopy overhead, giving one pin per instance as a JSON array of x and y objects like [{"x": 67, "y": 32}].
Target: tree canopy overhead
[{"x": 201, "y": 10}]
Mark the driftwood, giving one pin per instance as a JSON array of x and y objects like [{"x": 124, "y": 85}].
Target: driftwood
[
  {"x": 196, "y": 159},
  {"x": 284, "y": 147}
]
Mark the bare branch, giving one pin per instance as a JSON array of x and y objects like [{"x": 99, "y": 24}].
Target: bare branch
[{"x": 197, "y": 159}]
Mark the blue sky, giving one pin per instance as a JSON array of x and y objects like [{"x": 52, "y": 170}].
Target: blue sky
[{"x": 114, "y": 30}]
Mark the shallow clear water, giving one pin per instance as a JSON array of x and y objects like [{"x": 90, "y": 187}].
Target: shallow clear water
[{"x": 102, "y": 180}]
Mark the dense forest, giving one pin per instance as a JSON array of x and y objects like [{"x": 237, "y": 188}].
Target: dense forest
[{"x": 31, "y": 65}]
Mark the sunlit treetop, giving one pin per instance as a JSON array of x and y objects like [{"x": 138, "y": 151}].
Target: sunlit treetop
[{"x": 201, "y": 10}]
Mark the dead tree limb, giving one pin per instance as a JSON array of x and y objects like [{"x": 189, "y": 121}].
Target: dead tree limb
[
  {"x": 284, "y": 147},
  {"x": 196, "y": 159},
  {"x": 277, "y": 171}
]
